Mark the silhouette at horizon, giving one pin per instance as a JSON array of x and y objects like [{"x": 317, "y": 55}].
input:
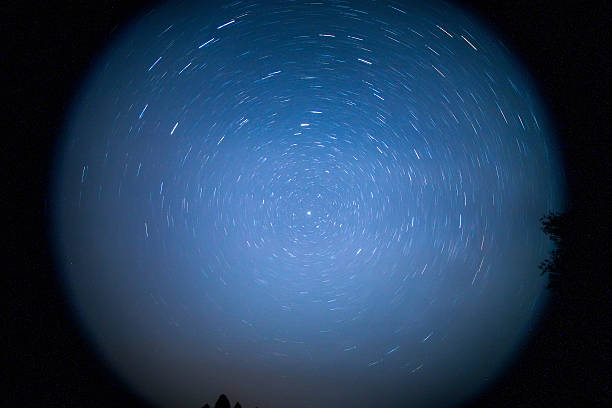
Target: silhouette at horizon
[{"x": 223, "y": 402}]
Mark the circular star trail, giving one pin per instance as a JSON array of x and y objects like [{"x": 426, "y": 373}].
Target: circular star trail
[{"x": 306, "y": 204}]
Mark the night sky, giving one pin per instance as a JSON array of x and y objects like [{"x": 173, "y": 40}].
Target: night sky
[{"x": 301, "y": 204}]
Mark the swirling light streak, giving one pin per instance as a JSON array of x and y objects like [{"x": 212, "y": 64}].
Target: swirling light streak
[{"x": 306, "y": 204}]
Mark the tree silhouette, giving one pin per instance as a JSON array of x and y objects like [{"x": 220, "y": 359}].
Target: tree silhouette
[
  {"x": 577, "y": 336},
  {"x": 577, "y": 266},
  {"x": 555, "y": 226},
  {"x": 222, "y": 402}
]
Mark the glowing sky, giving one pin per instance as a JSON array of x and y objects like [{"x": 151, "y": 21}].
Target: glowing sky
[{"x": 305, "y": 204}]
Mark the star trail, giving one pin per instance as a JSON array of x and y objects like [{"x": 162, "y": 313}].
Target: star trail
[{"x": 306, "y": 203}]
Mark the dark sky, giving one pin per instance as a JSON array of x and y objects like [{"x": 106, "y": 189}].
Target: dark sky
[{"x": 54, "y": 47}]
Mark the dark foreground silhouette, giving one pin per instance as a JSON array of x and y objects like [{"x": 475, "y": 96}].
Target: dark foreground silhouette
[{"x": 223, "y": 402}]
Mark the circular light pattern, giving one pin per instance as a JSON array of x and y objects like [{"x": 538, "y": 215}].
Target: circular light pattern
[{"x": 306, "y": 204}]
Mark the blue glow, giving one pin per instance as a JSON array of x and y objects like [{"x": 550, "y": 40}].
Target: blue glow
[{"x": 306, "y": 204}]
